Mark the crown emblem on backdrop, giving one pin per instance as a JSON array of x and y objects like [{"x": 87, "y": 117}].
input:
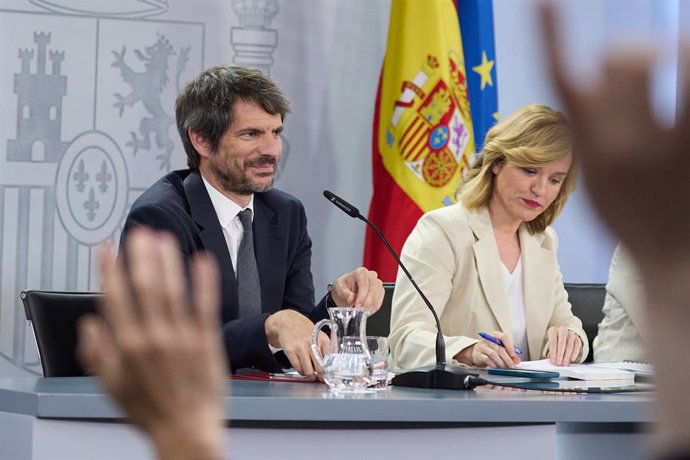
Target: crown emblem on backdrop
[
  {"x": 255, "y": 13},
  {"x": 164, "y": 44}
]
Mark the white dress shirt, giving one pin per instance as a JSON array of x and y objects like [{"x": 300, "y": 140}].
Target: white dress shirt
[{"x": 228, "y": 216}]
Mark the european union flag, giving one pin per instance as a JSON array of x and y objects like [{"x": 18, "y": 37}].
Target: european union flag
[{"x": 477, "y": 30}]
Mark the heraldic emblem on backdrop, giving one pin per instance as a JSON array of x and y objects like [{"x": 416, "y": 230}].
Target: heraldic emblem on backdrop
[
  {"x": 92, "y": 93},
  {"x": 92, "y": 87}
]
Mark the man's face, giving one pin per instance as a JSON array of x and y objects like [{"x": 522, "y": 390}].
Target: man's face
[{"x": 248, "y": 152}]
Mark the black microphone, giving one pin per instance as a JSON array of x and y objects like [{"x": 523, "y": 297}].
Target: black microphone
[
  {"x": 438, "y": 375},
  {"x": 346, "y": 207}
]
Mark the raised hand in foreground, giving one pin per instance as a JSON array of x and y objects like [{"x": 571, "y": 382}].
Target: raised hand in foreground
[
  {"x": 638, "y": 176},
  {"x": 157, "y": 348}
]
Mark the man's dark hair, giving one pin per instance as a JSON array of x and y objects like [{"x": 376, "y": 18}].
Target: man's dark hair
[{"x": 206, "y": 103}]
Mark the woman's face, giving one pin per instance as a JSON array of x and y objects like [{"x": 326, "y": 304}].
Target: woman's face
[{"x": 522, "y": 193}]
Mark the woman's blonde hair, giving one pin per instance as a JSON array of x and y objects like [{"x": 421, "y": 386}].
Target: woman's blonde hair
[{"x": 532, "y": 136}]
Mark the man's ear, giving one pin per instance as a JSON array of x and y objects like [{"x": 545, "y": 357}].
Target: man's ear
[{"x": 200, "y": 143}]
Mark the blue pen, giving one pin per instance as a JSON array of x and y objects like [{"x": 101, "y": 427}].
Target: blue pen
[{"x": 498, "y": 342}]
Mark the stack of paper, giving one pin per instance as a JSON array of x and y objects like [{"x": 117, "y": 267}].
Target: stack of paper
[
  {"x": 634, "y": 366},
  {"x": 643, "y": 371},
  {"x": 579, "y": 371}
]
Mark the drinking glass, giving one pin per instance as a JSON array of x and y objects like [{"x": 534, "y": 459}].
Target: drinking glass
[{"x": 378, "y": 348}]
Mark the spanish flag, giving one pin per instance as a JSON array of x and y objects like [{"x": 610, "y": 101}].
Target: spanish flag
[{"x": 423, "y": 134}]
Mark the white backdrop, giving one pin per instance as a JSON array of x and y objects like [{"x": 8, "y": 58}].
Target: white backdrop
[{"x": 68, "y": 166}]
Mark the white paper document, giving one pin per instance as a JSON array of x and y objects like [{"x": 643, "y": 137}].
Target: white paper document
[
  {"x": 579, "y": 371},
  {"x": 636, "y": 367}
]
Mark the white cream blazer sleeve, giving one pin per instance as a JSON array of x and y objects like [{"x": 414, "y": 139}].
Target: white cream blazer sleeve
[
  {"x": 452, "y": 254},
  {"x": 622, "y": 333}
]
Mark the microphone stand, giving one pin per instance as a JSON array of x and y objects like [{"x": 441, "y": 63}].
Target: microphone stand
[{"x": 437, "y": 375}]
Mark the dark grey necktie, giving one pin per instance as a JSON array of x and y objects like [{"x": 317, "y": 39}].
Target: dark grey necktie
[{"x": 248, "y": 287}]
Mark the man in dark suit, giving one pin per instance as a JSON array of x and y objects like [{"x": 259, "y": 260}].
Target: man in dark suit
[{"x": 230, "y": 119}]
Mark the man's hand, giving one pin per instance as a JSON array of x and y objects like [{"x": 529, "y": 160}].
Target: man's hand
[
  {"x": 157, "y": 350},
  {"x": 359, "y": 288},
  {"x": 291, "y": 331}
]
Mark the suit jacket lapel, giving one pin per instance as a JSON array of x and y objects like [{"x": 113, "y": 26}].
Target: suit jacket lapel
[
  {"x": 212, "y": 237},
  {"x": 537, "y": 279},
  {"x": 487, "y": 259},
  {"x": 268, "y": 235}
]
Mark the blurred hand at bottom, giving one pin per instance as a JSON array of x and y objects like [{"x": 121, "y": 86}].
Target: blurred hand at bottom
[{"x": 157, "y": 349}]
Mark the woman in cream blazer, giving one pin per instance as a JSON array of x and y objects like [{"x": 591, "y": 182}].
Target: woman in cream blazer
[{"x": 507, "y": 201}]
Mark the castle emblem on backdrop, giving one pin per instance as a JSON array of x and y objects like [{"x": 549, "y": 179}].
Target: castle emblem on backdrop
[
  {"x": 427, "y": 126},
  {"x": 146, "y": 87},
  {"x": 38, "y": 131}
]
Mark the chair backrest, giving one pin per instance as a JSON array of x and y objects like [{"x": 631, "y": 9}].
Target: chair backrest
[
  {"x": 380, "y": 322},
  {"x": 54, "y": 316},
  {"x": 587, "y": 301}
]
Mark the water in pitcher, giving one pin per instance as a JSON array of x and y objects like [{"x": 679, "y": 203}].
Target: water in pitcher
[{"x": 350, "y": 370}]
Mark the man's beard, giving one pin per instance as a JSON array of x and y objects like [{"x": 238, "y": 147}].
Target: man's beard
[{"x": 235, "y": 180}]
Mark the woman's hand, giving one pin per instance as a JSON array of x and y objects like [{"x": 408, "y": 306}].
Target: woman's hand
[
  {"x": 564, "y": 345},
  {"x": 487, "y": 354}
]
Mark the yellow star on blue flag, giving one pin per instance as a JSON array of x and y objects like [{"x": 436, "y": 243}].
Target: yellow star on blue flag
[{"x": 484, "y": 71}]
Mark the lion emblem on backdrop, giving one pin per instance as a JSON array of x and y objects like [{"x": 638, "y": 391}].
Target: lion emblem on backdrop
[{"x": 146, "y": 87}]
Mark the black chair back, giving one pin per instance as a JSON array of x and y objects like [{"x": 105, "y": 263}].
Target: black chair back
[
  {"x": 587, "y": 300},
  {"x": 54, "y": 316},
  {"x": 380, "y": 322}
]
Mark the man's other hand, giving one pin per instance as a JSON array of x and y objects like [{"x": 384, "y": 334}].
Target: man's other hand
[
  {"x": 291, "y": 331},
  {"x": 359, "y": 288}
]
